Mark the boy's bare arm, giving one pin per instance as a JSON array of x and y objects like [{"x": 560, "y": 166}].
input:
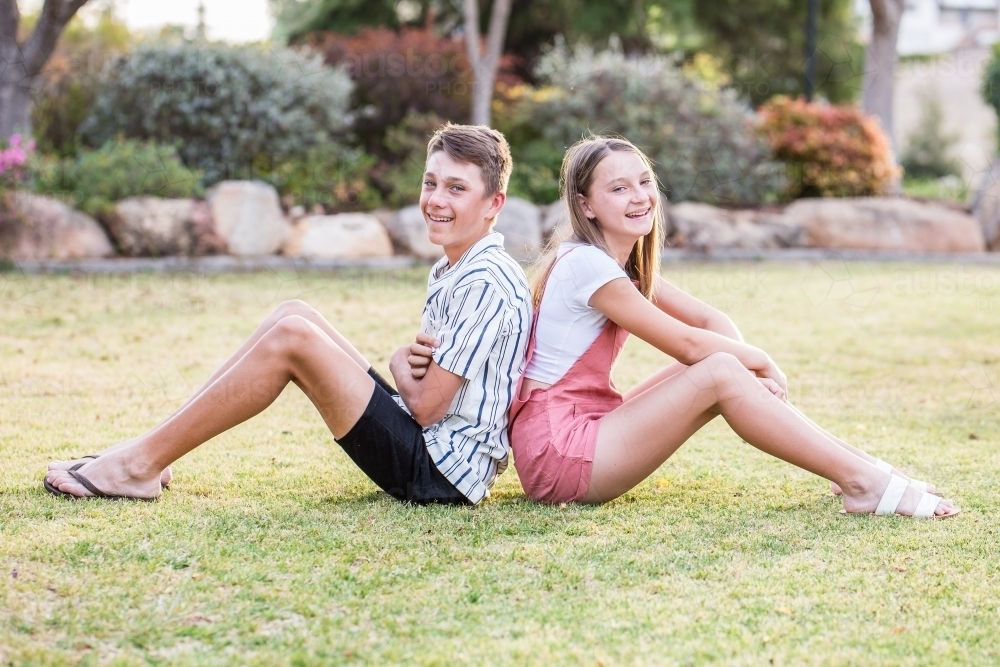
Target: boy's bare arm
[{"x": 426, "y": 388}]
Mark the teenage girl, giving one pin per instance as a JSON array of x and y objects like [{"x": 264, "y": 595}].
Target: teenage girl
[{"x": 575, "y": 438}]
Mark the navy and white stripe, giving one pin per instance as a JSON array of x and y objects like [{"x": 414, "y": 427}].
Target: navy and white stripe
[{"x": 480, "y": 310}]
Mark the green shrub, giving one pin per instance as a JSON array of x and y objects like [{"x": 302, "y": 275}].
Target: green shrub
[
  {"x": 94, "y": 180},
  {"x": 698, "y": 134},
  {"x": 338, "y": 180},
  {"x": 990, "y": 88},
  {"x": 225, "y": 106},
  {"x": 926, "y": 155},
  {"x": 400, "y": 175},
  {"x": 831, "y": 151}
]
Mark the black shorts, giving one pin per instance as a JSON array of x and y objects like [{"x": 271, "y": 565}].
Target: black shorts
[{"x": 388, "y": 445}]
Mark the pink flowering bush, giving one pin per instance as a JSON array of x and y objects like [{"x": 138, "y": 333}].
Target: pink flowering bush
[
  {"x": 831, "y": 151},
  {"x": 14, "y": 161}
]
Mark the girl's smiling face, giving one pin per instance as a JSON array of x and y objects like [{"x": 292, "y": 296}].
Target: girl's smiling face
[{"x": 623, "y": 198}]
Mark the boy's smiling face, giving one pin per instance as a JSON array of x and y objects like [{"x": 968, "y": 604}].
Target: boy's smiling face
[{"x": 454, "y": 203}]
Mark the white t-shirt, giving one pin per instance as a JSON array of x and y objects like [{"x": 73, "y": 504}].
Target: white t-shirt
[{"x": 567, "y": 324}]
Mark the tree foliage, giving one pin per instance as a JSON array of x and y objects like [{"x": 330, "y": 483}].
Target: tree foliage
[
  {"x": 763, "y": 46},
  {"x": 699, "y": 137},
  {"x": 761, "y": 43}
]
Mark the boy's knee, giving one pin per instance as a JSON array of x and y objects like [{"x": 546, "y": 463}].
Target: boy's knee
[{"x": 290, "y": 333}]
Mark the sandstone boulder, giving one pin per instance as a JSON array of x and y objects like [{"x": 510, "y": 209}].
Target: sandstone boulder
[
  {"x": 143, "y": 226},
  {"x": 555, "y": 216},
  {"x": 408, "y": 232},
  {"x": 702, "y": 226},
  {"x": 555, "y": 222},
  {"x": 248, "y": 216},
  {"x": 873, "y": 223},
  {"x": 37, "y": 227},
  {"x": 520, "y": 222},
  {"x": 343, "y": 236}
]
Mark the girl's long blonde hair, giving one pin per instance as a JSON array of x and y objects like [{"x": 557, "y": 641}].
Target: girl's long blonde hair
[{"x": 576, "y": 178}]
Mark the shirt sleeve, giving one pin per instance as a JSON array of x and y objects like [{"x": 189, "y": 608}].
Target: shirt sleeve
[
  {"x": 475, "y": 319},
  {"x": 588, "y": 268}
]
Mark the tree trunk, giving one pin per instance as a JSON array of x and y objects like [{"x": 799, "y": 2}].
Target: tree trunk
[
  {"x": 15, "y": 110},
  {"x": 880, "y": 62},
  {"x": 484, "y": 65},
  {"x": 21, "y": 63}
]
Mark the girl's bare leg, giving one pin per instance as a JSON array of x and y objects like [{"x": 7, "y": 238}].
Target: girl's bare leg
[
  {"x": 846, "y": 445},
  {"x": 637, "y": 437},
  {"x": 654, "y": 379},
  {"x": 293, "y": 350},
  {"x": 676, "y": 367},
  {"x": 286, "y": 309}
]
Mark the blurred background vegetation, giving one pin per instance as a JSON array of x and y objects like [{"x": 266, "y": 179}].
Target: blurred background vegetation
[{"x": 336, "y": 109}]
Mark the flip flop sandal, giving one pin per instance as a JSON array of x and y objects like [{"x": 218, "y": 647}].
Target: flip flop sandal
[
  {"x": 90, "y": 487},
  {"x": 166, "y": 487},
  {"x": 894, "y": 493}
]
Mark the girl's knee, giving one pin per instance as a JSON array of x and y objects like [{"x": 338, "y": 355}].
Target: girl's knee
[
  {"x": 292, "y": 307},
  {"x": 722, "y": 361},
  {"x": 720, "y": 369}
]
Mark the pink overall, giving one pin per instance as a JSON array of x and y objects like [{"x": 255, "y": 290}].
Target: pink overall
[{"x": 553, "y": 432}]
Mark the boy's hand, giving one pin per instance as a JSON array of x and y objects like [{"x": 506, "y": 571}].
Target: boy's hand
[{"x": 421, "y": 353}]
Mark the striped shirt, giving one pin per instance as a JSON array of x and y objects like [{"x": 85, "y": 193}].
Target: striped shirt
[{"x": 480, "y": 311}]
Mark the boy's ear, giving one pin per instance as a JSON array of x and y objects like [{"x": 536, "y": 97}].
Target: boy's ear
[{"x": 496, "y": 204}]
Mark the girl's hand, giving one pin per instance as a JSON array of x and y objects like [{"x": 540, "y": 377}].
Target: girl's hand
[
  {"x": 421, "y": 354},
  {"x": 773, "y": 373},
  {"x": 773, "y": 387}
]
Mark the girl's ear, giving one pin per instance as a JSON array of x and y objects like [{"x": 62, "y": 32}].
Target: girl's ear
[{"x": 585, "y": 205}]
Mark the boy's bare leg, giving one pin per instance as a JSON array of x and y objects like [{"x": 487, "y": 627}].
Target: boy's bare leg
[
  {"x": 286, "y": 309},
  {"x": 293, "y": 350}
]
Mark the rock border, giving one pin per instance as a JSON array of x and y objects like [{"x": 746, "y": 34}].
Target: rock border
[
  {"x": 208, "y": 264},
  {"x": 231, "y": 264}
]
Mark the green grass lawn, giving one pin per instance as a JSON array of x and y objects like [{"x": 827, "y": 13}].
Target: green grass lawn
[{"x": 272, "y": 549}]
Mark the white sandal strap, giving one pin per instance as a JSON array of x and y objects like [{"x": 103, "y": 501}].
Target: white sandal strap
[
  {"x": 882, "y": 465},
  {"x": 892, "y": 495},
  {"x": 921, "y": 486},
  {"x": 925, "y": 508}
]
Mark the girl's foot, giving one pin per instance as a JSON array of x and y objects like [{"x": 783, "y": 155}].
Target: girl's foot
[
  {"x": 930, "y": 487},
  {"x": 866, "y": 497},
  {"x": 113, "y": 474}
]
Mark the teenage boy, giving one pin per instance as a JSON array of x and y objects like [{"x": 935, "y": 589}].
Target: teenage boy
[{"x": 442, "y": 437}]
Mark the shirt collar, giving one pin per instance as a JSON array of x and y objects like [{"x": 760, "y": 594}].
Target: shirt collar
[{"x": 442, "y": 267}]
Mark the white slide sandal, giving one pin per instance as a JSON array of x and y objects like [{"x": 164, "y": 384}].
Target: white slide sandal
[
  {"x": 887, "y": 467},
  {"x": 893, "y": 494}
]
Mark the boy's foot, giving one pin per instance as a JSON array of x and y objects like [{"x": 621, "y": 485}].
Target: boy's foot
[
  {"x": 166, "y": 476},
  {"x": 896, "y": 496},
  {"x": 111, "y": 474}
]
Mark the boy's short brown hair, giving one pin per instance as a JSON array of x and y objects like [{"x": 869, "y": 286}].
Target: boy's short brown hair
[{"x": 479, "y": 145}]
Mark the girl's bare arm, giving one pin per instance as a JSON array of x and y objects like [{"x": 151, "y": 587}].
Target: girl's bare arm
[{"x": 622, "y": 303}]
